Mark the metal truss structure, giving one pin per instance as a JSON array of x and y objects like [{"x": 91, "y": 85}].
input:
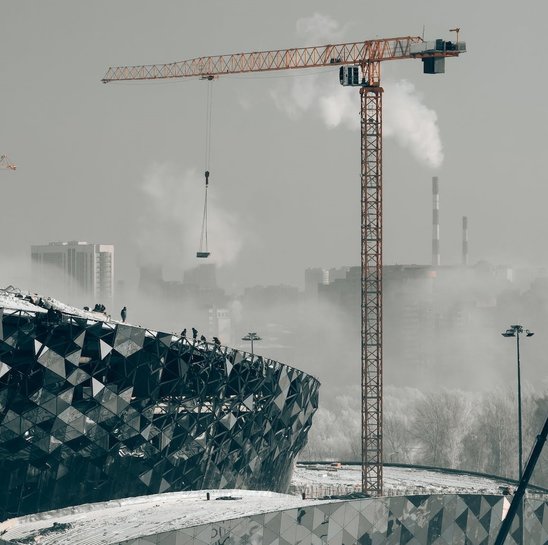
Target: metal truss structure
[
  {"x": 280, "y": 59},
  {"x": 368, "y": 55},
  {"x": 93, "y": 410},
  {"x": 371, "y": 281}
]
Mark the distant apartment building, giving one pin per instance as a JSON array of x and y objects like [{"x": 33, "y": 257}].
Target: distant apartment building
[
  {"x": 428, "y": 312},
  {"x": 313, "y": 277},
  {"x": 343, "y": 290},
  {"x": 76, "y": 268},
  {"x": 220, "y": 324},
  {"x": 199, "y": 287},
  {"x": 197, "y": 301},
  {"x": 316, "y": 276}
]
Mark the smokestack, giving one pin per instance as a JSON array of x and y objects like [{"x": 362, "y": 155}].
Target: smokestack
[
  {"x": 435, "y": 222},
  {"x": 464, "y": 240}
]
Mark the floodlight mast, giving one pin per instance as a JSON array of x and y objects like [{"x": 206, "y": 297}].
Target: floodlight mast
[
  {"x": 253, "y": 337},
  {"x": 367, "y": 55}
]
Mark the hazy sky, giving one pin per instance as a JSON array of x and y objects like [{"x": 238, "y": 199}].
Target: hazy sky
[{"x": 123, "y": 163}]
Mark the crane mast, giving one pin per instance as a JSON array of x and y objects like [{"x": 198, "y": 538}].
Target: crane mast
[
  {"x": 365, "y": 72},
  {"x": 371, "y": 288}
]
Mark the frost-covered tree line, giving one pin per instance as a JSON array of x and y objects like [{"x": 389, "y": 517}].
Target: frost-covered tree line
[{"x": 447, "y": 428}]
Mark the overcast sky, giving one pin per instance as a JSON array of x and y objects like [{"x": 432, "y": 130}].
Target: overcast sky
[{"x": 122, "y": 164}]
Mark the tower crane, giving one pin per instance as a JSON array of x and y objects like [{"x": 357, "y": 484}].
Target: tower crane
[
  {"x": 5, "y": 163},
  {"x": 359, "y": 66}
]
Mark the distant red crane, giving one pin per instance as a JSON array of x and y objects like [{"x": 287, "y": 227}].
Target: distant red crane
[
  {"x": 360, "y": 66},
  {"x": 5, "y": 164}
]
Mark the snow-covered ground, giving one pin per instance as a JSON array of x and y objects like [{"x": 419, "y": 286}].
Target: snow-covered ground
[
  {"x": 114, "y": 521},
  {"x": 105, "y": 523},
  {"x": 320, "y": 480}
]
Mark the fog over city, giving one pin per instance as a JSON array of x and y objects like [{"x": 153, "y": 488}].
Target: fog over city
[{"x": 123, "y": 164}]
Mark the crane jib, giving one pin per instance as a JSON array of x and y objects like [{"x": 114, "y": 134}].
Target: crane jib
[{"x": 287, "y": 59}]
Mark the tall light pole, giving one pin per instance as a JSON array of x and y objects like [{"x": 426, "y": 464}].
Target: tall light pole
[
  {"x": 251, "y": 336},
  {"x": 514, "y": 331}
]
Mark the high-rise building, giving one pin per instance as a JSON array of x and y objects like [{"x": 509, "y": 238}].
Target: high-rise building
[
  {"x": 343, "y": 289},
  {"x": 315, "y": 276},
  {"x": 80, "y": 268}
]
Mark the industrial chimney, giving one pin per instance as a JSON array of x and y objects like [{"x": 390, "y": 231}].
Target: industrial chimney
[
  {"x": 435, "y": 222},
  {"x": 464, "y": 240}
]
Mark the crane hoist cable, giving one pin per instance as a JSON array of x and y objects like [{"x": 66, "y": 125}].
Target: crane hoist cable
[{"x": 204, "y": 252}]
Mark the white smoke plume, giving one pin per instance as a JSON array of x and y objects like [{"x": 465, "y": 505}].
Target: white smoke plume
[
  {"x": 170, "y": 227},
  {"x": 406, "y": 118},
  {"x": 412, "y": 124}
]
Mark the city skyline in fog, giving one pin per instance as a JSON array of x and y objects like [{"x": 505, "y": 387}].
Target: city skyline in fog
[
  {"x": 520, "y": 275},
  {"x": 442, "y": 324},
  {"x": 123, "y": 164}
]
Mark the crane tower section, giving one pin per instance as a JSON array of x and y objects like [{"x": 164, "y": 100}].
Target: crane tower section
[{"x": 371, "y": 288}]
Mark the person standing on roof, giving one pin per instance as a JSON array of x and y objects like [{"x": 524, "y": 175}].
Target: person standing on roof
[
  {"x": 123, "y": 314},
  {"x": 194, "y": 333},
  {"x": 183, "y": 333}
]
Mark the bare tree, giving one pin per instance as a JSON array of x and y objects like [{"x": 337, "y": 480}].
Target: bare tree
[
  {"x": 397, "y": 438},
  {"x": 327, "y": 439},
  {"x": 491, "y": 446},
  {"x": 438, "y": 425}
]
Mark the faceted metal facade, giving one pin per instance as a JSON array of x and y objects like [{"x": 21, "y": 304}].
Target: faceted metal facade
[
  {"x": 405, "y": 520},
  {"x": 93, "y": 410}
]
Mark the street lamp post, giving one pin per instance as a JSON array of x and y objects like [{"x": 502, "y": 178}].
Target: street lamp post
[
  {"x": 514, "y": 331},
  {"x": 251, "y": 336}
]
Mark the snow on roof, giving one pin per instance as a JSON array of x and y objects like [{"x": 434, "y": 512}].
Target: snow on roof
[
  {"x": 15, "y": 299},
  {"x": 113, "y": 521}
]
